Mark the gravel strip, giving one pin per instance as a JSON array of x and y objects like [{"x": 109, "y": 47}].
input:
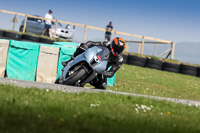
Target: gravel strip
[{"x": 65, "y": 88}]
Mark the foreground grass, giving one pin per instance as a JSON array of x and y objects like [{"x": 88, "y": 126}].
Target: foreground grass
[
  {"x": 24, "y": 110},
  {"x": 147, "y": 81}
]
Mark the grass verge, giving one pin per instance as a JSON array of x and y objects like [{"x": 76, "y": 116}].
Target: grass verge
[
  {"x": 32, "y": 110},
  {"x": 148, "y": 81}
]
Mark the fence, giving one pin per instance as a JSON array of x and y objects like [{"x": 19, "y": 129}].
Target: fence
[
  {"x": 141, "y": 43},
  {"x": 169, "y": 51}
]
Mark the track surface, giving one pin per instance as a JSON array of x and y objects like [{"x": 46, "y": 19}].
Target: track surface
[{"x": 23, "y": 83}]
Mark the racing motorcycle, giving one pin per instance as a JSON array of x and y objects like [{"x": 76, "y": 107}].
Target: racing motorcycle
[{"x": 85, "y": 67}]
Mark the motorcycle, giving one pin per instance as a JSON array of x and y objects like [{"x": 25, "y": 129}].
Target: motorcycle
[{"x": 85, "y": 67}]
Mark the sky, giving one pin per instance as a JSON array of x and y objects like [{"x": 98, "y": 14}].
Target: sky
[{"x": 173, "y": 20}]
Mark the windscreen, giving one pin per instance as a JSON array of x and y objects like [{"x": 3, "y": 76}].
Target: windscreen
[{"x": 103, "y": 52}]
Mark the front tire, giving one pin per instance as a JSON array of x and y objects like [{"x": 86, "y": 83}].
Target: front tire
[
  {"x": 75, "y": 77},
  {"x": 57, "y": 81}
]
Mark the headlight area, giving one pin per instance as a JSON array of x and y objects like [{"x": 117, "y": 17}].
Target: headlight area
[
  {"x": 62, "y": 33},
  {"x": 58, "y": 33}
]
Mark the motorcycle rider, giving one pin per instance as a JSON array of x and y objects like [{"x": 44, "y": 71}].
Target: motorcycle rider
[{"x": 115, "y": 60}]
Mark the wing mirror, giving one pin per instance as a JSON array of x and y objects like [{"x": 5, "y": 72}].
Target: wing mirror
[{"x": 69, "y": 27}]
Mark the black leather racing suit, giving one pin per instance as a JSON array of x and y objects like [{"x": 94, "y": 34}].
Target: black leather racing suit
[{"x": 114, "y": 61}]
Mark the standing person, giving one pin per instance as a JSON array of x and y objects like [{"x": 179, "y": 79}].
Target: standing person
[
  {"x": 47, "y": 26},
  {"x": 109, "y": 29}
]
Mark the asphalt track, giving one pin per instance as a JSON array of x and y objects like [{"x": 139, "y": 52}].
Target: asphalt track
[{"x": 71, "y": 89}]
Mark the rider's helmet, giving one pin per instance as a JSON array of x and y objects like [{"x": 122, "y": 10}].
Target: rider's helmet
[{"x": 117, "y": 46}]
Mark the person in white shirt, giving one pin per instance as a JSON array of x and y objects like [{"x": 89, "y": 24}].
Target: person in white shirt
[{"x": 47, "y": 27}]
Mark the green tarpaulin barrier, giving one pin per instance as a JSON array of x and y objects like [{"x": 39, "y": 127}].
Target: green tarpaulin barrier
[
  {"x": 22, "y": 60},
  {"x": 67, "y": 49},
  {"x": 23, "y": 57},
  {"x": 111, "y": 81},
  {"x": 65, "y": 54}
]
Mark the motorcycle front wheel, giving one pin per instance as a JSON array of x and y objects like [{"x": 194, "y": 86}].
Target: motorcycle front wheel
[{"x": 72, "y": 79}]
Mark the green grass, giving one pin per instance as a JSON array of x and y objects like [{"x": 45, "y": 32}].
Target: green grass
[
  {"x": 45, "y": 37},
  {"x": 30, "y": 110},
  {"x": 24, "y": 110},
  {"x": 172, "y": 61},
  {"x": 31, "y": 34},
  {"x": 195, "y": 65},
  {"x": 147, "y": 81}
]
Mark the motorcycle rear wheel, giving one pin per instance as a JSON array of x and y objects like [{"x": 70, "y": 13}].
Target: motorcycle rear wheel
[{"x": 72, "y": 79}]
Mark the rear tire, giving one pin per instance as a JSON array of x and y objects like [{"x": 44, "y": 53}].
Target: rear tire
[{"x": 75, "y": 77}]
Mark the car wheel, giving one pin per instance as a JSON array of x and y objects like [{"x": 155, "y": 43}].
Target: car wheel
[{"x": 21, "y": 29}]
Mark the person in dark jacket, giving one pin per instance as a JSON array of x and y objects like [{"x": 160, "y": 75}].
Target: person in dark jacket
[
  {"x": 115, "y": 60},
  {"x": 109, "y": 29}
]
